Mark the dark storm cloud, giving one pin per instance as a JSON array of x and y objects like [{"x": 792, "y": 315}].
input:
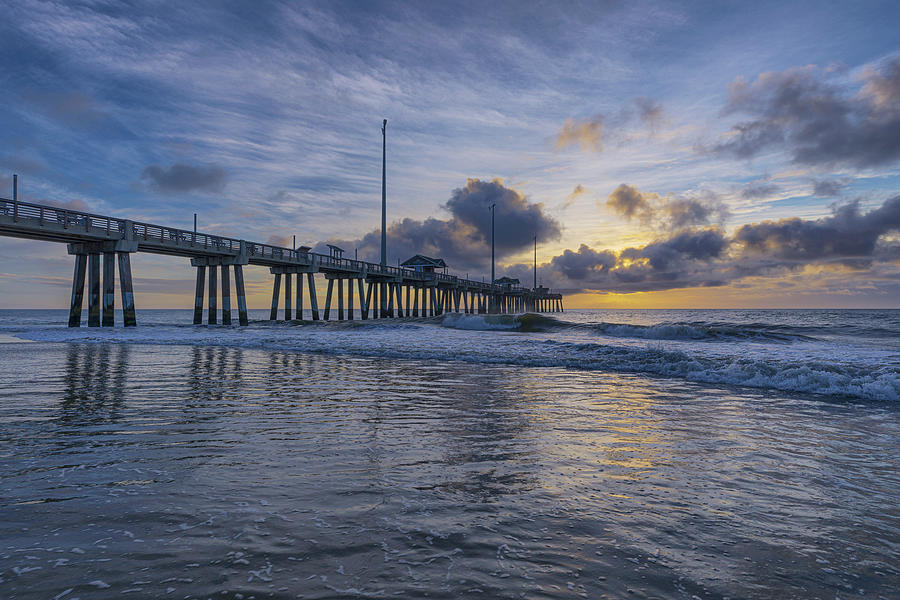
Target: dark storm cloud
[
  {"x": 701, "y": 245},
  {"x": 519, "y": 220},
  {"x": 665, "y": 212},
  {"x": 847, "y": 234},
  {"x": 708, "y": 257},
  {"x": 816, "y": 121},
  {"x": 186, "y": 178},
  {"x": 463, "y": 240},
  {"x": 584, "y": 263}
]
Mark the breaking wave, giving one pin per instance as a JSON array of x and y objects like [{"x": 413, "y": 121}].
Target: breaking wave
[
  {"x": 790, "y": 371},
  {"x": 692, "y": 331}
]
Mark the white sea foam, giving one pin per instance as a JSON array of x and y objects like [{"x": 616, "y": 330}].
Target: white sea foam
[{"x": 811, "y": 367}]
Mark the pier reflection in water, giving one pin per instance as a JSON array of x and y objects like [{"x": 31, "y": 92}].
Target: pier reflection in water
[{"x": 210, "y": 471}]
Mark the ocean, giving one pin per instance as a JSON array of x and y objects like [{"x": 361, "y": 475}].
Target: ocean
[{"x": 586, "y": 454}]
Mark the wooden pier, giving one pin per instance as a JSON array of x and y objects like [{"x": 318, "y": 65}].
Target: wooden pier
[{"x": 379, "y": 290}]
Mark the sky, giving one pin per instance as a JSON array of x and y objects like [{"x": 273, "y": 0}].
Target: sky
[{"x": 664, "y": 154}]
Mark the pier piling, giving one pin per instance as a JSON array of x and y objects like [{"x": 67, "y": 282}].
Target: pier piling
[
  {"x": 212, "y": 316},
  {"x": 313, "y": 300},
  {"x": 198, "y": 295},
  {"x": 288, "y": 303},
  {"x": 126, "y": 287},
  {"x": 94, "y": 287},
  {"x": 226, "y": 296},
  {"x": 241, "y": 296},
  {"x": 77, "y": 290}
]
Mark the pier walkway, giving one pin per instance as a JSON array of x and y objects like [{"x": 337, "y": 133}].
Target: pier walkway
[{"x": 383, "y": 291}]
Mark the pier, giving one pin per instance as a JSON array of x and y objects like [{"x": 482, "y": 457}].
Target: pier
[{"x": 381, "y": 291}]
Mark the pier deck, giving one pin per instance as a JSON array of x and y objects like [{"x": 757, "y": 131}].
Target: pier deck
[{"x": 380, "y": 288}]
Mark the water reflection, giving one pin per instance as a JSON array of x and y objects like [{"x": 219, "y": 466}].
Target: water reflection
[
  {"x": 94, "y": 382},
  {"x": 214, "y": 373},
  {"x": 230, "y": 470}
]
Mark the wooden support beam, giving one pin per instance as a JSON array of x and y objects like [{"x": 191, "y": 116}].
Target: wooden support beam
[
  {"x": 77, "y": 290},
  {"x": 276, "y": 293},
  {"x": 313, "y": 301},
  {"x": 109, "y": 289},
  {"x": 226, "y": 295},
  {"x": 408, "y": 292},
  {"x": 288, "y": 302},
  {"x": 126, "y": 287},
  {"x": 241, "y": 295},
  {"x": 212, "y": 316},
  {"x": 398, "y": 289},
  {"x": 94, "y": 290},
  {"x": 328, "y": 298},
  {"x": 198, "y": 295}
]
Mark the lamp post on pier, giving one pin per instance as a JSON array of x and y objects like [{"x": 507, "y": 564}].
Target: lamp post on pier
[
  {"x": 492, "y": 256},
  {"x": 384, "y": 192}
]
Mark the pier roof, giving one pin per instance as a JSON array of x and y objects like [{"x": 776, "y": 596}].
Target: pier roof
[{"x": 420, "y": 260}]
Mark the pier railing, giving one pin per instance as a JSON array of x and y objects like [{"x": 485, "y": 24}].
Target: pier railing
[{"x": 174, "y": 239}]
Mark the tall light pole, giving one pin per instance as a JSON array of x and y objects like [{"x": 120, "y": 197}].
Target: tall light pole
[
  {"x": 492, "y": 245},
  {"x": 535, "y": 264},
  {"x": 384, "y": 192}
]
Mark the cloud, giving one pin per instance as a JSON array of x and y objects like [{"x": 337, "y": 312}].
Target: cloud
[
  {"x": 649, "y": 112},
  {"x": 76, "y": 204},
  {"x": 847, "y": 239},
  {"x": 665, "y": 212},
  {"x": 283, "y": 241},
  {"x": 186, "y": 178},
  {"x": 628, "y": 202},
  {"x": 829, "y": 187},
  {"x": 759, "y": 189},
  {"x": 23, "y": 164},
  {"x": 574, "y": 195},
  {"x": 584, "y": 263},
  {"x": 73, "y": 109},
  {"x": 818, "y": 122},
  {"x": 846, "y": 236},
  {"x": 587, "y": 134},
  {"x": 678, "y": 213},
  {"x": 464, "y": 239}
]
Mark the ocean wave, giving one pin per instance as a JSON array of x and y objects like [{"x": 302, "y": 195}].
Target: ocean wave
[
  {"x": 825, "y": 375},
  {"x": 481, "y": 322},
  {"x": 690, "y": 331}
]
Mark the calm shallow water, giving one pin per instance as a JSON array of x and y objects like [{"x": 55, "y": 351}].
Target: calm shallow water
[{"x": 211, "y": 471}]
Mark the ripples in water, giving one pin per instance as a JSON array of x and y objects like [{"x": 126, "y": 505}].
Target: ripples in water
[{"x": 218, "y": 472}]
